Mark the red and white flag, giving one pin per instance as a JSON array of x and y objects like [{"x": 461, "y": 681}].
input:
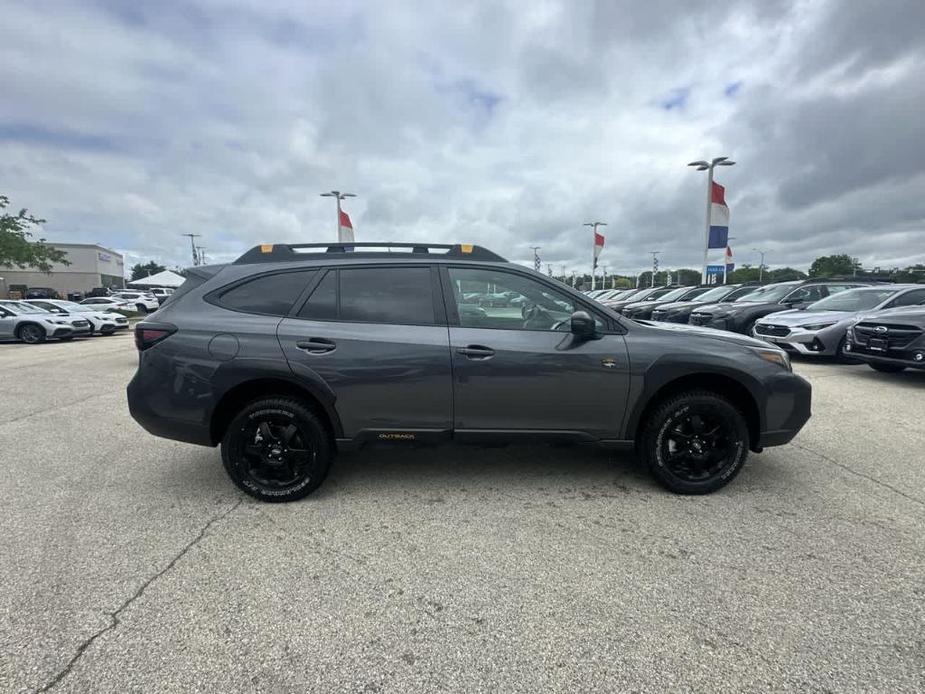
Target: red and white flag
[
  {"x": 598, "y": 244},
  {"x": 345, "y": 229}
]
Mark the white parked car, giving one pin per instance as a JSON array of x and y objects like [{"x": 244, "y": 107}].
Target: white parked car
[
  {"x": 143, "y": 302},
  {"x": 161, "y": 294},
  {"x": 102, "y": 322},
  {"x": 31, "y": 324},
  {"x": 108, "y": 303}
]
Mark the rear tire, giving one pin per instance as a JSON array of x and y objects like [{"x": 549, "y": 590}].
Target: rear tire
[
  {"x": 695, "y": 442},
  {"x": 141, "y": 308},
  {"x": 277, "y": 450},
  {"x": 887, "y": 368}
]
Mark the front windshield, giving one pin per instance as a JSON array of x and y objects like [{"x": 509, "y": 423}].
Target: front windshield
[
  {"x": 853, "y": 300},
  {"x": 715, "y": 294},
  {"x": 13, "y": 308},
  {"x": 72, "y": 306},
  {"x": 769, "y": 294},
  {"x": 28, "y": 308},
  {"x": 675, "y": 294}
]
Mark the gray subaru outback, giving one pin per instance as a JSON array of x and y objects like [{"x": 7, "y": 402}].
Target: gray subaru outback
[{"x": 293, "y": 352}]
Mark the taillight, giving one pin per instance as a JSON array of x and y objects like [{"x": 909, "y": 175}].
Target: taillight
[{"x": 149, "y": 334}]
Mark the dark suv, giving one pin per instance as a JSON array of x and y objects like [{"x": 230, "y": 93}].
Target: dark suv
[{"x": 295, "y": 351}]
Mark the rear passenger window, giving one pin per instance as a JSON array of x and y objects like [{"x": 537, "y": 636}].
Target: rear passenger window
[
  {"x": 401, "y": 295},
  {"x": 268, "y": 294},
  {"x": 322, "y": 304}
]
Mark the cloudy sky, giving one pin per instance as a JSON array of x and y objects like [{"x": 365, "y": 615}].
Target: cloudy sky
[{"x": 503, "y": 123}]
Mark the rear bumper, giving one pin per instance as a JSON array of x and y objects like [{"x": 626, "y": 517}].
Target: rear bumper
[
  {"x": 787, "y": 409},
  {"x": 142, "y": 411}
]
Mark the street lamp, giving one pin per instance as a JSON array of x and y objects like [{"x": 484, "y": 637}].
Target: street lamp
[
  {"x": 709, "y": 166},
  {"x": 654, "y": 266},
  {"x": 761, "y": 265},
  {"x": 537, "y": 265},
  {"x": 339, "y": 196},
  {"x": 594, "y": 226}
]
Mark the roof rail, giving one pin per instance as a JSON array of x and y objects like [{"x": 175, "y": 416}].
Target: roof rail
[{"x": 281, "y": 252}]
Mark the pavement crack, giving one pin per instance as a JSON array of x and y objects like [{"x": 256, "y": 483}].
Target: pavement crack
[
  {"x": 865, "y": 476},
  {"x": 114, "y": 620}
]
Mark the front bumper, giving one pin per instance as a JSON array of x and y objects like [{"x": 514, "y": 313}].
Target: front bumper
[
  {"x": 788, "y": 407},
  {"x": 810, "y": 343}
]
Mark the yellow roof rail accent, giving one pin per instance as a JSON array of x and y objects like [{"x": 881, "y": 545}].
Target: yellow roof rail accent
[
  {"x": 465, "y": 247},
  {"x": 266, "y": 247}
]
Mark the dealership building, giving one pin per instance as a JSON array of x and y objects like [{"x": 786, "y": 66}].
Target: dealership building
[{"x": 91, "y": 267}]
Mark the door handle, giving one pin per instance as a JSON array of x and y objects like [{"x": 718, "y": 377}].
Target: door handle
[
  {"x": 476, "y": 352},
  {"x": 316, "y": 345}
]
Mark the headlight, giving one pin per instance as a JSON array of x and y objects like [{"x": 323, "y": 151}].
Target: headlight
[
  {"x": 817, "y": 326},
  {"x": 775, "y": 356},
  {"x": 60, "y": 322}
]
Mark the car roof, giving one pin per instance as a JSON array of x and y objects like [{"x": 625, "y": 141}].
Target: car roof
[{"x": 376, "y": 250}]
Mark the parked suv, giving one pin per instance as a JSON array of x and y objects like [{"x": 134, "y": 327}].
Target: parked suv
[
  {"x": 891, "y": 340},
  {"x": 740, "y": 315},
  {"x": 143, "y": 302},
  {"x": 295, "y": 351},
  {"x": 642, "y": 310}
]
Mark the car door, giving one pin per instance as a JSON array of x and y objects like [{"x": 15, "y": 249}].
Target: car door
[
  {"x": 7, "y": 324},
  {"x": 521, "y": 369},
  {"x": 377, "y": 336}
]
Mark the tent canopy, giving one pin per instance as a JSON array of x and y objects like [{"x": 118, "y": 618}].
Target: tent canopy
[{"x": 161, "y": 279}]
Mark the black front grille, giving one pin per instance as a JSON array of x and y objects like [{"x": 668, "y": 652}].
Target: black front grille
[
  {"x": 772, "y": 330},
  {"x": 898, "y": 335},
  {"x": 81, "y": 324},
  {"x": 701, "y": 318},
  {"x": 658, "y": 315}
]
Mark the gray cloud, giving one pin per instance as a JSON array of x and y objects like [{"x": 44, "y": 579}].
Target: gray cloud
[{"x": 507, "y": 124}]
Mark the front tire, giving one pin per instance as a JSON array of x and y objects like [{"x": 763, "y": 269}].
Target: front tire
[
  {"x": 695, "y": 442},
  {"x": 31, "y": 334},
  {"x": 277, "y": 450},
  {"x": 887, "y": 368}
]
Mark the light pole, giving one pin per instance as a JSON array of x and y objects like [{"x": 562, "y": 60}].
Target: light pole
[
  {"x": 338, "y": 196},
  {"x": 709, "y": 166},
  {"x": 537, "y": 265},
  {"x": 192, "y": 243},
  {"x": 654, "y": 266},
  {"x": 761, "y": 265},
  {"x": 594, "y": 226}
]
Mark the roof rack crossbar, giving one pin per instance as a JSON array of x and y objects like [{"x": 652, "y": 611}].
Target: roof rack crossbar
[{"x": 279, "y": 252}]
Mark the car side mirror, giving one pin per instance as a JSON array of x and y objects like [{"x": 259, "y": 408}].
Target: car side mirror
[{"x": 583, "y": 326}]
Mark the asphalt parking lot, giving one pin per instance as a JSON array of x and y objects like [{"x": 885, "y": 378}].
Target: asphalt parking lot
[{"x": 129, "y": 563}]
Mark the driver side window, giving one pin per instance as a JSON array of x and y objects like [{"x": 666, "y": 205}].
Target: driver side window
[{"x": 508, "y": 301}]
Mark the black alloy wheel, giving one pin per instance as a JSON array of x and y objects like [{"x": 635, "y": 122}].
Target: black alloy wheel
[
  {"x": 695, "y": 443},
  {"x": 31, "y": 334},
  {"x": 277, "y": 450}
]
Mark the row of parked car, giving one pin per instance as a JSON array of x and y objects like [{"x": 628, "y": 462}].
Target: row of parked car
[
  {"x": 36, "y": 320},
  {"x": 39, "y": 318},
  {"x": 881, "y": 324}
]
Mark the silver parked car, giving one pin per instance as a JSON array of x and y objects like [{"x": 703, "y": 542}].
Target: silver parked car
[
  {"x": 821, "y": 328},
  {"x": 101, "y": 322},
  {"x": 31, "y": 324}
]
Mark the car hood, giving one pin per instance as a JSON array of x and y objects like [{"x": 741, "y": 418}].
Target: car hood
[
  {"x": 736, "y": 306},
  {"x": 794, "y": 317},
  {"x": 719, "y": 335},
  {"x": 670, "y": 306}
]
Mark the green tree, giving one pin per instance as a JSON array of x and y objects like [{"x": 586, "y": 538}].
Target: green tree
[
  {"x": 831, "y": 265},
  {"x": 16, "y": 247},
  {"x": 143, "y": 270}
]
